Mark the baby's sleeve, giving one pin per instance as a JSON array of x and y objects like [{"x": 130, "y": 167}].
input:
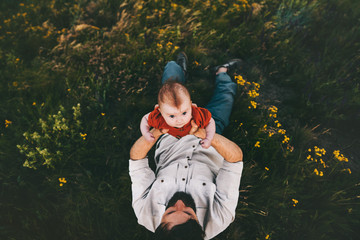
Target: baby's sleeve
[
  {"x": 201, "y": 116},
  {"x": 154, "y": 119}
]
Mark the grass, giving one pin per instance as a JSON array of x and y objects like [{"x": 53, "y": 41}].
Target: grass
[{"x": 298, "y": 95}]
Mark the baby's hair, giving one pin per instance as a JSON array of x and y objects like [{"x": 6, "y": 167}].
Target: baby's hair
[{"x": 172, "y": 92}]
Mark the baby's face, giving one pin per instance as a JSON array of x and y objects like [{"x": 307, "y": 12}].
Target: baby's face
[{"x": 177, "y": 117}]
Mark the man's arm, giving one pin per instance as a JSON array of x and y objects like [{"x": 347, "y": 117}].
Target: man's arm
[
  {"x": 229, "y": 150},
  {"x": 141, "y": 147}
]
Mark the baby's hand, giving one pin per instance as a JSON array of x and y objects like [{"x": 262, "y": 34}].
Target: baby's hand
[
  {"x": 149, "y": 137},
  {"x": 205, "y": 143}
]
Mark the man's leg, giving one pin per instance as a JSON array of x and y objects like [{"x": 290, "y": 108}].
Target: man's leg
[
  {"x": 174, "y": 72},
  {"x": 222, "y": 100}
]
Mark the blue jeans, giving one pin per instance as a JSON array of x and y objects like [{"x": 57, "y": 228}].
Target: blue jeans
[{"x": 220, "y": 104}]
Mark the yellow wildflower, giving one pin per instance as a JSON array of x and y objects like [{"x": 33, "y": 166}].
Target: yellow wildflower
[
  {"x": 15, "y": 84},
  {"x": 267, "y": 236},
  {"x": 102, "y": 114},
  {"x": 256, "y": 86},
  {"x": 273, "y": 109},
  {"x": 159, "y": 45},
  {"x": 174, "y": 6},
  {"x": 62, "y": 181},
  {"x": 196, "y": 63},
  {"x": 83, "y": 135},
  {"x": 273, "y": 115},
  {"x": 267, "y": 169},
  {"x": 253, "y": 104},
  {"x": 7, "y": 123},
  {"x": 271, "y": 134},
  {"x": 240, "y": 80},
  {"x": 253, "y": 94},
  {"x": 257, "y": 144},
  {"x": 295, "y": 202},
  {"x": 265, "y": 127},
  {"x": 340, "y": 157},
  {"x": 34, "y": 103},
  {"x": 282, "y": 131},
  {"x": 169, "y": 44},
  {"x": 21, "y": 4},
  {"x": 286, "y": 139}
]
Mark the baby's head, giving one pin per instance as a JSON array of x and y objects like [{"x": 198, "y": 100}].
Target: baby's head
[{"x": 175, "y": 104}]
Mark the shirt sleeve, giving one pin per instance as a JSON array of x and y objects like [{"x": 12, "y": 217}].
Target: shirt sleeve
[
  {"x": 155, "y": 119},
  {"x": 201, "y": 116},
  {"x": 142, "y": 177},
  {"x": 226, "y": 197}
]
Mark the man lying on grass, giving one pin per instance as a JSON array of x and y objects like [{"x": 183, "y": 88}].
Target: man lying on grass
[{"x": 194, "y": 192}]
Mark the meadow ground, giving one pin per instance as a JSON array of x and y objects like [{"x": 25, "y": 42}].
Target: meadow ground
[{"x": 77, "y": 76}]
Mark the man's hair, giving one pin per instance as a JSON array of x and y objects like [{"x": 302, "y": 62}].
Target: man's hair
[
  {"x": 190, "y": 230},
  {"x": 172, "y": 92}
]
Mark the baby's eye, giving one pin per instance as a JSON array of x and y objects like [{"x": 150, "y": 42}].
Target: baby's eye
[
  {"x": 172, "y": 116},
  {"x": 184, "y": 113}
]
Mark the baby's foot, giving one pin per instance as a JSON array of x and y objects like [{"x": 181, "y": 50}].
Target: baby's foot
[{"x": 205, "y": 143}]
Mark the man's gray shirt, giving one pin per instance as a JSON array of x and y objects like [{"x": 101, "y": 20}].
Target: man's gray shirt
[{"x": 184, "y": 165}]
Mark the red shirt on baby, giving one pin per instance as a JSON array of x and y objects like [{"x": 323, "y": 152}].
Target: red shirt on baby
[{"x": 201, "y": 117}]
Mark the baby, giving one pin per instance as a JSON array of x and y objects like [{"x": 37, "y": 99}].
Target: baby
[{"x": 175, "y": 112}]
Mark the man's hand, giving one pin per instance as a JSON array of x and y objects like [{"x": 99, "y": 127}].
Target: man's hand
[
  {"x": 198, "y": 132},
  {"x": 158, "y": 132},
  {"x": 141, "y": 147}
]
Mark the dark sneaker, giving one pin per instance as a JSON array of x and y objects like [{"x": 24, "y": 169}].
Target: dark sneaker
[
  {"x": 231, "y": 65},
  {"x": 182, "y": 61}
]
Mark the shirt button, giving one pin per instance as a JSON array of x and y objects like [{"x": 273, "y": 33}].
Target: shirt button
[
  {"x": 188, "y": 157},
  {"x": 193, "y": 146},
  {"x": 162, "y": 180},
  {"x": 204, "y": 184},
  {"x": 183, "y": 179},
  {"x": 186, "y": 166}
]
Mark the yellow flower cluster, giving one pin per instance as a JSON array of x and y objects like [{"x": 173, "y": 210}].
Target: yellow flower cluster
[
  {"x": 240, "y": 80},
  {"x": 83, "y": 135},
  {"x": 253, "y": 93},
  {"x": 257, "y": 144},
  {"x": 347, "y": 170},
  {"x": 282, "y": 131},
  {"x": 7, "y": 123},
  {"x": 253, "y": 104},
  {"x": 294, "y": 202},
  {"x": 169, "y": 46},
  {"x": 62, "y": 181},
  {"x": 318, "y": 152},
  {"x": 319, "y": 173},
  {"x": 340, "y": 157},
  {"x": 286, "y": 139},
  {"x": 252, "y": 89}
]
